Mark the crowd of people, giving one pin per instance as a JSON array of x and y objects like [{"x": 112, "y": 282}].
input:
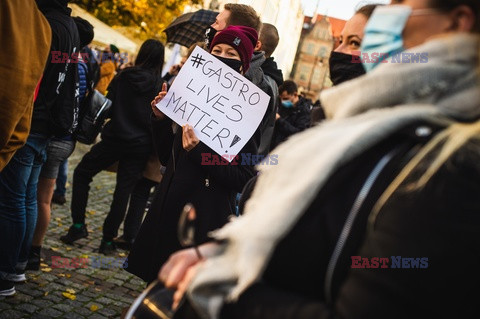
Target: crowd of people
[{"x": 371, "y": 210}]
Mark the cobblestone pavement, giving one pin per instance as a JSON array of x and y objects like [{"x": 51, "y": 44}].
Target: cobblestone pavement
[{"x": 96, "y": 291}]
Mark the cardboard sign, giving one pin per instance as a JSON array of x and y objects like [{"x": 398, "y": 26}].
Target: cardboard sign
[{"x": 222, "y": 106}]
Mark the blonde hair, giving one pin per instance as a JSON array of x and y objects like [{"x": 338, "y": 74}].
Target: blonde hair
[{"x": 441, "y": 147}]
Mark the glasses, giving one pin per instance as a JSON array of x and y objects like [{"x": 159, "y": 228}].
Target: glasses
[{"x": 156, "y": 301}]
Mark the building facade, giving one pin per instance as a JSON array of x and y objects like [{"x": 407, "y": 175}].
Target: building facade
[{"x": 320, "y": 35}]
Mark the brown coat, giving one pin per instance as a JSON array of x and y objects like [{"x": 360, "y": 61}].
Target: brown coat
[
  {"x": 107, "y": 73},
  {"x": 25, "y": 36}
]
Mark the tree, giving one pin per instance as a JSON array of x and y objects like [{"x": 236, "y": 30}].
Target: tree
[{"x": 142, "y": 18}]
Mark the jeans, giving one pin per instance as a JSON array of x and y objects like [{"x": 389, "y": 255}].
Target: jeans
[
  {"x": 131, "y": 162},
  {"x": 61, "y": 189},
  {"x": 18, "y": 203}
]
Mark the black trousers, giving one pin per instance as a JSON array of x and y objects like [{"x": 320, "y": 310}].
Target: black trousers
[
  {"x": 136, "y": 207},
  {"x": 131, "y": 162}
]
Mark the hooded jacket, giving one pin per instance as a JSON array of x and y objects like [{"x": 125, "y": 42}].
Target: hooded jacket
[
  {"x": 131, "y": 92},
  {"x": 256, "y": 76},
  {"x": 57, "y": 90}
]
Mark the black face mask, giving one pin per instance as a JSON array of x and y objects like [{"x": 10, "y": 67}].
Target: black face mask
[
  {"x": 209, "y": 34},
  {"x": 343, "y": 69},
  {"x": 234, "y": 64}
]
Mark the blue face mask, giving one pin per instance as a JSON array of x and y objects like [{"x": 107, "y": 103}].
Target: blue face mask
[
  {"x": 287, "y": 104},
  {"x": 383, "y": 34}
]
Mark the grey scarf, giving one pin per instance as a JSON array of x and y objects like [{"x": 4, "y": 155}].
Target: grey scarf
[{"x": 363, "y": 112}]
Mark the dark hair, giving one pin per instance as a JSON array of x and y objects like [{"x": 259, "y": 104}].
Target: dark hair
[
  {"x": 288, "y": 86},
  {"x": 269, "y": 38},
  {"x": 151, "y": 55},
  {"x": 367, "y": 10},
  {"x": 449, "y": 5},
  {"x": 85, "y": 31},
  {"x": 241, "y": 14}
]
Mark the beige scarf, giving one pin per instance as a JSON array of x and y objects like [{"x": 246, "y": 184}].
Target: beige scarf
[{"x": 364, "y": 112}]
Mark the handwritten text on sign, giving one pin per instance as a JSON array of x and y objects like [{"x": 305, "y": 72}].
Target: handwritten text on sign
[{"x": 223, "y": 107}]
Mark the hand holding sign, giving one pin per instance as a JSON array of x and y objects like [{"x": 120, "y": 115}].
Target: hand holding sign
[
  {"x": 223, "y": 108},
  {"x": 159, "y": 114},
  {"x": 189, "y": 139}
]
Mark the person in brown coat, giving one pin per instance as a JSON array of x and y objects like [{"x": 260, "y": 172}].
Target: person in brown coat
[{"x": 25, "y": 48}]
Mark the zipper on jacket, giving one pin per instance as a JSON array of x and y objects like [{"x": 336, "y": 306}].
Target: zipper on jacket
[{"x": 357, "y": 204}]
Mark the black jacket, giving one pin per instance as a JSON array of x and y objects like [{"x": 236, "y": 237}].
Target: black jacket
[
  {"x": 210, "y": 188},
  {"x": 440, "y": 222},
  {"x": 131, "y": 92},
  {"x": 291, "y": 121},
  {"x": 57, "y": 88},
  {"x": 271, "y": 69}
]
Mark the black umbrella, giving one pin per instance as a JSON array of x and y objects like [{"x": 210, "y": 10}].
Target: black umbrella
[{"x": 190, "y": 27}]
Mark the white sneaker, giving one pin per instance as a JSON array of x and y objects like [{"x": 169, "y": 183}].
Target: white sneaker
[
  {"x": 7, "y": 288},
  {"x": 16, "y": 277}
]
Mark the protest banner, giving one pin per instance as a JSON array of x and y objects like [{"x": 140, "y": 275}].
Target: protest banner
[{"x": 222, "y": 106}]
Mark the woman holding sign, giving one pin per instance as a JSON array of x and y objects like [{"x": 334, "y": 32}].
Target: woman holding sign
[{"x": 210, "y": 186}]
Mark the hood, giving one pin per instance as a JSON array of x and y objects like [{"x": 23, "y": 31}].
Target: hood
[
  {"x": 55, "y": 5},
  {"x": 271, "y": 69},
  {"x": 141, "y": 79},
  {"x": 255, "y": 73}
]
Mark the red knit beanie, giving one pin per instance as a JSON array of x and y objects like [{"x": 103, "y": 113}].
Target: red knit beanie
[{"x": 243, "y": 39}]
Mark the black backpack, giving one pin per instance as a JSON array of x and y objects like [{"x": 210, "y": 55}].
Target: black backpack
[{"x": 95, "y": 110}]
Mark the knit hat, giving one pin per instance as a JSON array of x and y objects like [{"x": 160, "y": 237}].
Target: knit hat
[{"x": 243, "y": 39}]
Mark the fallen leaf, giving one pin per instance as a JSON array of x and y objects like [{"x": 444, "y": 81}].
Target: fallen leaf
[
  {"x": 68, "y": 275},
  {"x": 60, "y": 224},
  {"x": 48, "y": 269},
  {"x": 69, "y": 295},
  {"x": 110, "y": 191},
  {"x": 122, "y": 254},
  {"x": 68, "y": 248},
  {"x": 93, "y": 307},
  {"x": 46, "y": 293},
  {"x": 83, "y": 256},
  {"x": 98, "y": 187},
  {"x": 91, "y": 282},
  {"x": 43, "y": 265},
  {"x": 91, "y": 212},
  {"x": 55, "y": 248},
  {"x": 61, "y": 275},
  {"x": 70, "y": 290},
  {"x": 58, "y": 219}
]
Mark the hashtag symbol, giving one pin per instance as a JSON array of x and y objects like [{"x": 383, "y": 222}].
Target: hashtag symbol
[{"x": 197, "y": 60}]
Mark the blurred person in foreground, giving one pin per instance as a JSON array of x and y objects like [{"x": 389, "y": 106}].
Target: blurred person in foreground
[
  {"x": 18, "y": 180},
  {"x": 395, "y": 186},
  {"x": 22, "y": 61}
]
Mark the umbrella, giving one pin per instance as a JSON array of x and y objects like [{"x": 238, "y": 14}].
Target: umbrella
[{"x": 190, "y": 27}]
